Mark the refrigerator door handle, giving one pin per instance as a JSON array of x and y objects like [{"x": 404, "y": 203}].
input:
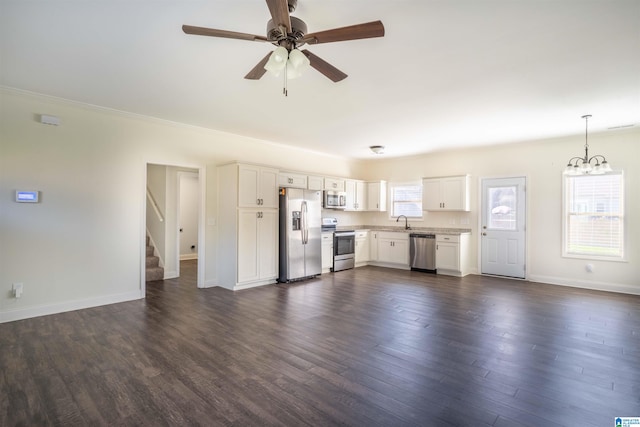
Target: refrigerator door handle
[{"x": 303, "y": 219}]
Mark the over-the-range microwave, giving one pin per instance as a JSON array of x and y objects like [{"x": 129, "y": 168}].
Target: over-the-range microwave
[{"x": 334, "y": 199}]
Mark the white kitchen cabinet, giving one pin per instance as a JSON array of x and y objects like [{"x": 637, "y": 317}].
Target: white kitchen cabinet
[
  {"x": 315, "y": 182},
  {"x": 335, "y": 184},
  {"x": 362, "y": 250},
  {"x": 373, "y": 246},
  {"x": 247, "y": 237},
  {"x": 446, "y": 193},
  {"x": 257, "y": 186},
  {"x": 257, "y": 238},
  {"x": 356, "y": 192},
  {"x": 376, "y": 196},
  {"x": 393, "y": 249},
  {"x": 327, "y": 252},
  {"x": 452, "y": 256},
  {"x": 292, "y": 180}
]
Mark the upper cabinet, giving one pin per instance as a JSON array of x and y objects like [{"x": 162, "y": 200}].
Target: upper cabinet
[
  {"x": 376, "y": 196},
  {"x": 356, "y": 195},
  {"x": 315, "y": 182},
  {"x": 449, "y": 193},
  {"x": 334, "y": 184},
  {"x": 292, "y": 180},
  {"x": 257, "y": 186}
]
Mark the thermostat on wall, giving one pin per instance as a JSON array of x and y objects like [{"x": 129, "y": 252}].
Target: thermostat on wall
[{"x": 27, "y": 196}]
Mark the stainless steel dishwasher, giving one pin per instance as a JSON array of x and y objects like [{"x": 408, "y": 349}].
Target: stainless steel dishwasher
[{"x": 423, "y": 252}]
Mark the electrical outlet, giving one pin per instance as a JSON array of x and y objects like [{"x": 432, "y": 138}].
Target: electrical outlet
[{"x": 17, "y": 290}]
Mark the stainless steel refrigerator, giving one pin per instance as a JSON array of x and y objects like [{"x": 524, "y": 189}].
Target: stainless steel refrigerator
[{"x": 300, "y": 235}]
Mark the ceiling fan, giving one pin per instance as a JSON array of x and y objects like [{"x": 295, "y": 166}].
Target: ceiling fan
[{"x": 289, "y": 33}]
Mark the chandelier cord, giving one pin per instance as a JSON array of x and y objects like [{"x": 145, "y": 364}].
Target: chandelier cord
[{"x": 586, "y": 133}]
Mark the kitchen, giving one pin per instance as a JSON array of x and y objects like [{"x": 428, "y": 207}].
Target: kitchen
[{"x": 346, "y": 243}]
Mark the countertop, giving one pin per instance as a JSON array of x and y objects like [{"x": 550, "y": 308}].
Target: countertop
[{"x": 400, "y": 229}]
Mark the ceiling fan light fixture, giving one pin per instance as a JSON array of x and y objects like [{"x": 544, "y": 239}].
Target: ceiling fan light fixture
[
  {"x": 277, "y": 61},
  {"x": 298, "y": 60},
  {"x": 296, "y": 64},
  {"x": 377, "y": 149}
]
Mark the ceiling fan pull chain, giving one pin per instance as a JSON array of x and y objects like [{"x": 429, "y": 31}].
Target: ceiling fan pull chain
[{"x": 285, "y": 90}]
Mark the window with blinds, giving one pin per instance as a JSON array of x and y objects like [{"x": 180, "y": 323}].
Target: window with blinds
[
  {"x": 594, "y": 216},
  {"x": 406, "y": 199}
]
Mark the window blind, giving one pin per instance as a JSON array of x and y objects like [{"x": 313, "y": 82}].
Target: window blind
[
  {"x": 406, "y": 200},
  {"x": 594, "y": 209}
]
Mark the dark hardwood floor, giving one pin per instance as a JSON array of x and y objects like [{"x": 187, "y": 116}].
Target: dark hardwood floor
[{"x": 363, "y": 347}]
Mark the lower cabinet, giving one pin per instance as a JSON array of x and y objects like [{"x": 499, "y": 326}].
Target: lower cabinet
[
  {"x": 362, "y": 251},
  {"x": 390, "y": 249},
  {"x": 451, "y": 254},
  {"x": 257, "y": 243},
  {"x": 327, "y": 252}
]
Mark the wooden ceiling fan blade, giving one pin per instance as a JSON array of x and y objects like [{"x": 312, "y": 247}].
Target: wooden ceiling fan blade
[
  {"x": 212, "y": 32},
  {"x": 353, "y": 32},
  {"x": 279, "y": 10},
  {"x": 258, "y": 71},
  {"x": 331, "y": 72}
]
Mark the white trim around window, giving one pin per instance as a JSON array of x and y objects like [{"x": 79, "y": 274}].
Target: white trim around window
[
  {"x": 593, "y": 217},
  {"x": 405, "y": 199}
]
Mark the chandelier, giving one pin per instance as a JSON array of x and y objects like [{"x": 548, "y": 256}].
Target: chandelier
[{"x": 582, "y": 165}]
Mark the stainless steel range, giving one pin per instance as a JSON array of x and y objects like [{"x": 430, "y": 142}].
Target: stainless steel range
[{"x": 344, "y": 245}]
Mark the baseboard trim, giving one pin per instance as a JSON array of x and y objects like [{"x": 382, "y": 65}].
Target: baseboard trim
[
  {"x": 586, "y": 284},
  {"x": 45, "y": 310},
  {"x": 212, "y": 283},
  {"x": 170, "y": 274}
]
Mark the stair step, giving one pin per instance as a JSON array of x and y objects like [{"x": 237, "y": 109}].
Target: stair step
[
  {"x": 152, "y": 261},
  {"x": 154, "y": 273},
  {"x": 149, "y": 250}
]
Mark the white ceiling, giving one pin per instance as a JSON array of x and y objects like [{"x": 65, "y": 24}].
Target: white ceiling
[{"x": 447, "y": 74}]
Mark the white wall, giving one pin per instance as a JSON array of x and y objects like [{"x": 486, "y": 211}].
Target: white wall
[
  {"x": 542, "y": 162},
  {"x": 83, "y": 244},
  {"x": 188, "y": 214}
]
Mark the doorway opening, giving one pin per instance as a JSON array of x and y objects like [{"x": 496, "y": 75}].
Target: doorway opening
[{"x": 174, "y": 202}]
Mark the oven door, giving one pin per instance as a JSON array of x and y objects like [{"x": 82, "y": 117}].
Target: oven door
[{"x": 344, "y": 247}]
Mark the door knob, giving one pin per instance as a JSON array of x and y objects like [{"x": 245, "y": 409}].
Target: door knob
[{"x": 484, "y": 234}]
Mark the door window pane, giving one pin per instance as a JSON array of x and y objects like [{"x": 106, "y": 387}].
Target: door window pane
[{"x": 502, "y": 208}]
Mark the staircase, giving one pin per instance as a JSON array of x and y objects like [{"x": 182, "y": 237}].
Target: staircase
[{"x": 153, "y": 269}]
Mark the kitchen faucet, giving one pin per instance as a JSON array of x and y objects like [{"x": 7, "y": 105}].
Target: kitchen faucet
[{"x": 406, "y": 224}]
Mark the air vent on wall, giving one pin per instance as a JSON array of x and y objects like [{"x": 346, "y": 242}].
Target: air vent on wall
[{"x": 622, "y": 126}]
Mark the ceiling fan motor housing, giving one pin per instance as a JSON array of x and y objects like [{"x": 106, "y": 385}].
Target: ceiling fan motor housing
[{"x": 298, "y": 30}]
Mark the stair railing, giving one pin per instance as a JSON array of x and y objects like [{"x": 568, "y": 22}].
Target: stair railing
[{"x": 155, "y": 206}]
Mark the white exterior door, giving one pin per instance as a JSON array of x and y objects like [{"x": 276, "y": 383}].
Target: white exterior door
[{"x": 503, "y": 227}]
